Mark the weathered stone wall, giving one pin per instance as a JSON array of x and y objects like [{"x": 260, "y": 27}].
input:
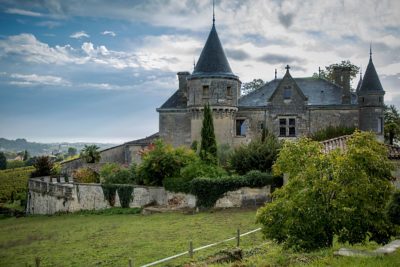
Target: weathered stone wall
[
  {"x": 323, "y": 117},
  {"x": 46, "y": 197},
  {"x": 174, "y": 127}
]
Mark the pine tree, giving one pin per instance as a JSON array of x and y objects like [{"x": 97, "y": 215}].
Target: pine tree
[
  {"x": 208, "y": 148},
  {"x": 3, "y": 161}
]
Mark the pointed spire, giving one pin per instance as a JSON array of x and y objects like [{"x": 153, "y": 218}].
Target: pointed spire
[
  {"x": 359, "y": 81},
  {"x": 370, "y": 50},
  {"x": 371, "y": 81},
  {"x": 213, "y": 12}
]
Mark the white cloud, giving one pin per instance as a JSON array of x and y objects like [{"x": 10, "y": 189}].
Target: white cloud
[
  {"x": 111, "y": 33},
  {"x": 34, "y": 79},
  {"x": 23, "y": 12},
  {"x": 79, "y": 35}
]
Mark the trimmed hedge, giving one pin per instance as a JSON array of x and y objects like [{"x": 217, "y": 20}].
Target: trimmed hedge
[{"x": 208, "y": 191}]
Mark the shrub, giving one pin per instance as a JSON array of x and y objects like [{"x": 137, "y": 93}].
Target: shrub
[
  {"x": 90, "y": 154},
  {"x": 332, "y": 132},
  {"x": 162, "y": 162},
  {"x": 108, "y": 170},
  {"x": 43, "y": 166},
  {"x": 393, "y": 208},
  {"x": 208, "y": 191},
  {"x": 341, "y": 193},
  {"x": 86, "y": 175},
  {"x": 224, "y": 153},
  {"x": 3, "y": 161},
  {"x": 122, "y": 176},
  {"x": 181, "y": 182},
  {"x": 257, "y": 155}
]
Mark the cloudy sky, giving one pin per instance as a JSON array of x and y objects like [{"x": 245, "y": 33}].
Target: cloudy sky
[{"x": 96, "y": 70}]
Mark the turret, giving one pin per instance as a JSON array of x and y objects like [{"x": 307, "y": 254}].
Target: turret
[{"x": 371, "y": 101}]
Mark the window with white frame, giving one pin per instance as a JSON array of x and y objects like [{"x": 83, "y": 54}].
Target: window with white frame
[{"x": 240, "y": 127}]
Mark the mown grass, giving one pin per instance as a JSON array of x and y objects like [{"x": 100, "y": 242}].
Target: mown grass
[{"x": 104, "y": 240}]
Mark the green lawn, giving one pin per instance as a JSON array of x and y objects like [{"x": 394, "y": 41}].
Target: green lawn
[{"x": 110, "y": 240}]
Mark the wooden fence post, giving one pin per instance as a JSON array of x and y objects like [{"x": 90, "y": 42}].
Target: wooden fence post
[
  {"x": 238, "y": 238},
  {"x": 191, "y": 249}
]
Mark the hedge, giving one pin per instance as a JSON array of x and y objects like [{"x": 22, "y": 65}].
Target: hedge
[
  {"x": 208, "y": 191},
  {"x": 13, "y": 183}
]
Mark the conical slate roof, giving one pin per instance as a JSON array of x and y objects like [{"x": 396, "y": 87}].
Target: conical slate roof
[
  {"x": 212, "y": 60},
  {"x": 359, "y": 84},
  {"x": 371, "y": 80}
]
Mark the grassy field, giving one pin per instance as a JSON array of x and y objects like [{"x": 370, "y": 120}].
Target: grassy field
[{"x": 110, "y": 240}]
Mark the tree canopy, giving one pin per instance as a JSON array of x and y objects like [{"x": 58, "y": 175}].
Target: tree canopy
[
  {"x": 392, "y": 124},
  {"x": 251, "y": 86},
  {"x": 328, "y": 72},
  {"x": 90, "y": 154},
  {"x": 342, "y": 193}
]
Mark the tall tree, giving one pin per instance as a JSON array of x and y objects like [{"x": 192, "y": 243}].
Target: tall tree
[
  {"x": 392, "y": 124},
  {"x": 208, "y": 148},
  {"x": 251, "y": 86},
  {"x": 72, "y": 151},
  {"x": 26, "y": 155},
  {"x": 90, "y": 154},
  {"x": 3, "y": 161},
  {"x": 328, "y": 72}
]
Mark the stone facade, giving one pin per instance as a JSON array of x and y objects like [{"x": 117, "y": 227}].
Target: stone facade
[{"x": 49, "y": 197}]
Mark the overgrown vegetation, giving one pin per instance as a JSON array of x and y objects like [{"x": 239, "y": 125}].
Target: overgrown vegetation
[
  {"x": 341, "y": 193},
  {"x": 113, "y": 173},
  {"x": 162, "y": 162},
  {"x": 13, "y": 184},
  {"x": 208, "y": 191},
  {"x": 43, "y": 166},
  {"x": 3, "y": 161},
  {"x": 392, "y": 124},
  {"x": 257, "y": 155},
  {"x": 393, "y": 208},
  {"x": 332, "y": 132},
  {"x": 86, "y": 175}
]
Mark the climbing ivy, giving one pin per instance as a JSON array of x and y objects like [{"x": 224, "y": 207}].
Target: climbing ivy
[
  {"x": 109, "y": 193},
  {"x": 125, "y": 195}
]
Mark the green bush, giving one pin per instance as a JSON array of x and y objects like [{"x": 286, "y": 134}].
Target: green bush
[
  {"x": 181, "y": 183},
  {"x": 342, "y": 193},
  {"x": 112, "y": 173},
  {"x": 86, "y": 175},
  {"x": 162, "y": 162},
  {"x": 393, "y": 208},
  {"x": 108, "y": 170},
  {"x": 257, "y": 155},
  {"x": 332, "y": 132},
  {"x": 43, "y": 166},
  {"x": 14, "y": 182},
  {"x": 125, "y": 195},
  {"x": 208, "y": 191},
  {"x": 109, "y": 191}
]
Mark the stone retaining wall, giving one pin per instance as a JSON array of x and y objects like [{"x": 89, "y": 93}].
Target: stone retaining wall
[{"x": 46, "y": 196}]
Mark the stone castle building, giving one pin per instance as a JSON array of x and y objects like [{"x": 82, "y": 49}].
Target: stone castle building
[{"x": 288, "y": 107}]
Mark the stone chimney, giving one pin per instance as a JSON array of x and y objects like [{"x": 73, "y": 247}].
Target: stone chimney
[
  {"x": 345, "y": 84},
  {"x": 182, "y": 77}
]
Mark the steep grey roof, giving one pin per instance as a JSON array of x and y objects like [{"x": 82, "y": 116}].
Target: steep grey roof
[
  {"x": 371, "y": 80},
  {"x": 177, "y": 100},
  {"x": 318, "y": 91},
  {"x": 212, "y": 59},
  {"x": 359, "y": 84}
]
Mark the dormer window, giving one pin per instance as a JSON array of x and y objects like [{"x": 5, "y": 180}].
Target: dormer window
[
  {"x": 287, "y": 93},
  {"x": 205, "y": 91}
]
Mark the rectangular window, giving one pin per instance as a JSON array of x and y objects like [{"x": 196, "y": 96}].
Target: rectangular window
[
  {"x": 287, "y": 127},
  {"x": 205, "y": 91},
  {"x": 229, "y": 91},
  {"x": 287, "y": 93},
  {"x": 380, "y": 125},
  {"x": 240, "y": 128}
]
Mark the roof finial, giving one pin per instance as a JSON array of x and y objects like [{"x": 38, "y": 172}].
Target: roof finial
[
  {"x": 370, "y": 50},
  {"x": 194, "y": 63},
  {"x": 213, "y": 12},
  {"x": 287, "y": 68},
  {"x": 276, "y": 74}
]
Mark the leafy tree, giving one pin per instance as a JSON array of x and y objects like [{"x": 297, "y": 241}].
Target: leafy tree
[
  {"x": 251, "y": 86},
  {"x": 392, "y": 124},
  {"x": 26, "y": 155},
  {"x": 341, "y": 193},
  {"x": 90, "y": 154},
  {"x": 257, "y": 155},
  {"x": 208, "y": 147},
  {"x": 3, "y": 161},
  {"x": 72, "y": 151},
  {"x": 163, "y": 161},
  {"x": 328, "y": 72},
  {"x": 43, "y": 166}
]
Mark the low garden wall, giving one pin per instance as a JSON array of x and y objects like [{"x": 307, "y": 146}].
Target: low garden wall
[{"x": 49, "y": 196}]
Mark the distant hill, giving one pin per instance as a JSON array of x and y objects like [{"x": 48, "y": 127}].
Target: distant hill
[{"x": 35, "y": 149}]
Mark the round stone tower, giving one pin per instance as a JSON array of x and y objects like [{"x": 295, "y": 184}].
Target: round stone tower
[
  {"x": 370, "y": 101},
  {"x": 213, "y": 82}
]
